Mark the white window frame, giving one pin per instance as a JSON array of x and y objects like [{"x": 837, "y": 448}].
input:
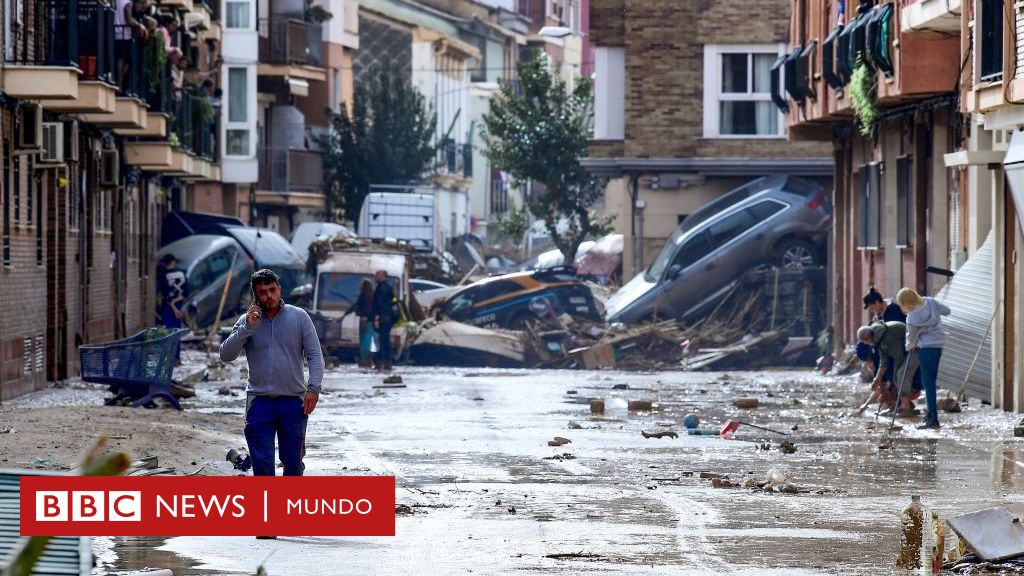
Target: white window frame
[
  {"x": 250, "y": 112},
  {"x": 713, "y": 95},
  {"x": 250, "y": 25}
]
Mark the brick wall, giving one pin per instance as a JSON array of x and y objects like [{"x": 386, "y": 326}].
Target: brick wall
[
  {"x": 23, "y": 323},
  {"x": 664, "y": 42}
]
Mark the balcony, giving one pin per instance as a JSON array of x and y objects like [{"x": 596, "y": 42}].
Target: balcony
[
  {"x": 97, "y": 90},
  {"x": 291, "y": 47},
  {"x": 454, "y": 159},
  {"x": 909, "y": 66},
  {"x": 45, "y": 50},
  {"x": 290, "y": 171},
  {"x": 930, "y": 16}
]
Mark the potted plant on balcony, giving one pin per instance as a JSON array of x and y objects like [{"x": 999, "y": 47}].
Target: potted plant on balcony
[
  {"x": 863, "y": 97},
  {"x": 156, "y": 61}
]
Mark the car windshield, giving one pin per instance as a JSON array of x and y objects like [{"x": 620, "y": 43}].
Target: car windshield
[
  {"x": 338, "y": 291},
  {"x": 665, "y": 257}
]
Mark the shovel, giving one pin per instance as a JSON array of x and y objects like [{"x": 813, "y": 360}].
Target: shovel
[{"x": 731, "y": 426}]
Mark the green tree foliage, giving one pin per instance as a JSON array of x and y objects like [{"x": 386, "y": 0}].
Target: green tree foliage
[
  {"x": 514, "y": 225},
  {"x": 537, "y": 129},
  {"x": 387, "y": 139}
]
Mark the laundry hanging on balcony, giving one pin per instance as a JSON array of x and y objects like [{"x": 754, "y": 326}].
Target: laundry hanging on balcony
[{"x": 877, "y": 38}]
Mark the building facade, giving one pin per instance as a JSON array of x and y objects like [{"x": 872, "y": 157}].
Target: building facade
[
  {"x": 97, "y": 141},
  {"x": 682, "y": 118}
]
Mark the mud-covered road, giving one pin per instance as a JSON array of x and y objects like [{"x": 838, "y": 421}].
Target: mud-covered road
[{"x": 469, "y": 447}]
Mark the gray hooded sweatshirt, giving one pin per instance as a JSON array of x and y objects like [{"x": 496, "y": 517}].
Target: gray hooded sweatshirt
[
  {"x": 924, "y": 325},
  {"x": 275, "y": 350}
]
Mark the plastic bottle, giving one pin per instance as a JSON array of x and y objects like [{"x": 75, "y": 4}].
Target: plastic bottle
[{"x": 922, "y": 541}]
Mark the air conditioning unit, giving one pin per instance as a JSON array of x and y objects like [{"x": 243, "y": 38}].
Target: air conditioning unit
[
  {"x": 110, "y": 169},
  {"x": 53, "y": 143},
  {"x": 71, "y": 141},
  {"x": 30, "y": 127}
]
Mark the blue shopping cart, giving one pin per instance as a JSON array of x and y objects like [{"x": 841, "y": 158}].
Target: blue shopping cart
[{"x": 138, "y": 369}]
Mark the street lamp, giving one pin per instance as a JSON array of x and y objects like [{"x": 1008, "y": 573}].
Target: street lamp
[{"x": 555, "y": 31}]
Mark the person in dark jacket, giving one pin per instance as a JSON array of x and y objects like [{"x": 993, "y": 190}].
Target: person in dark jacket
[
  {"x": 363, "y": 307},
  {"x": 882, "y": 309},
  {"x": 172, "y": 284},
  {"x": 384, "y": 317}
]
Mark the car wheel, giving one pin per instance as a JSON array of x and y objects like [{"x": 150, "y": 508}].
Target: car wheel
[{"x": 797, "y": 254}]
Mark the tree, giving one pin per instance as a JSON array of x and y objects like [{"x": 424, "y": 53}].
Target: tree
[
  {"x": 387, "y": 139},
  {"x": 537, "y": 129}
]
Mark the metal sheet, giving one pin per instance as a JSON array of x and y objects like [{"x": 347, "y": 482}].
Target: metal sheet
[
  {"x": 969, "y": 296},
  {"x": 65, "y": 555},
  {"x": 994, "y": 534}
]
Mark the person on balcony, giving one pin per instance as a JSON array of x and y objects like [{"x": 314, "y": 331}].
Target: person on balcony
[{"x": 129, "y": 22}]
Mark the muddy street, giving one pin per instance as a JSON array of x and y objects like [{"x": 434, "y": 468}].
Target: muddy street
[{"x": 481, "y": 491}]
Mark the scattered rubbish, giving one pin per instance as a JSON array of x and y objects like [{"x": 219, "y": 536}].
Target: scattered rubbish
[
  {"x": 640, "y": 405},
  {"x": 403, "y": 510},
  {"x": 723, "y": 483},
  {"x": 950, "y": 405},
  {"x": 570, "y": 392},
  {"x": 598, "y": 356},
  {"x": 994, "y": 534},
  {"x": 795, "y": 427},
  {"x": 574, "y": 425},
  {"x": 240, "y": 459},
  {"x": 478, "y": 399},
  {"x": 777, "y": 477},
  {"x": 712, "y": 475},
  {"x": 922, "y": 538},
  {"x": 559, "y": 441},
  {"x": 6, "y": 430},
  {"x": 115, "y": 437},
  {"x": 620, "y": 387},
  {"x": 511, "y": 509},
  {"x": 225, "y": 391},
  {"x": 450, "y": 343},
  {"x": 665, "y": 424},
  {"x": 788, "y": 488},
  {"x": 787, "y": 447},
  {"x": 388, "y": 386},
  {"x": 691, "y": 421},
  {"x": 746, "y": 403},
  {"x": 703, "y": 432},
  {"x": 570, "y": 555},
  {"x": 731, "y": 426},
  {"x": 396, "y": 379},
  {"x": 659, "y": 435},
  {"x": 560, "y": 457},
  {"x": 597, "y": 406}
]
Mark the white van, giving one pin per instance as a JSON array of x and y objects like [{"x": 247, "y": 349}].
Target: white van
[{"x": 336, "y": 289}]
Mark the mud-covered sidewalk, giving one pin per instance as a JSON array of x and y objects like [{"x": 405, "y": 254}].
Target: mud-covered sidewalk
[{"x": 485, "y": 494}]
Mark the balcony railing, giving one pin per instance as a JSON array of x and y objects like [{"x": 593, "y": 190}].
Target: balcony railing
[
  {"x": 291, "y": 170},
  {"x": 290, "y": 41},
  {"x": 96, "y": 40},
  {"x": 129, "y": 59},
  {"x": 456, "y": 159}
]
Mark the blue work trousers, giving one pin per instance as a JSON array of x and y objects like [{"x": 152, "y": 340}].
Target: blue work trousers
[
  {"x": 929, "y": 358},
  {"x": 280, "y": 416}
]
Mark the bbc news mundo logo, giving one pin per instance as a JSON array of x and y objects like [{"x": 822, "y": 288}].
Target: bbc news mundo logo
[{"x": 208, "y": 506}]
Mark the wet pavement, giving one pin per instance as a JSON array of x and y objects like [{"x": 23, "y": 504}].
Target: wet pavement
[{"x": 469, "y": 451}]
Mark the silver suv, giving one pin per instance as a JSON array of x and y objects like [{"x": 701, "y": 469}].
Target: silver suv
[{"x": 782, "y": 220}]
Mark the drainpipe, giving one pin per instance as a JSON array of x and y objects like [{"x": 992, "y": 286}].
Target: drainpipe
[{"x": 634, "y": 193}]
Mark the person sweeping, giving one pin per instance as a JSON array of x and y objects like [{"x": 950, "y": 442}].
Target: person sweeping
[{"x": 925, "y": 333}]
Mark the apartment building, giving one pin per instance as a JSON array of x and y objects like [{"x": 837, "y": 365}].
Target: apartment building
[
  {"x": 95, "y": 145},
  {"x": 680, "y": 118}
]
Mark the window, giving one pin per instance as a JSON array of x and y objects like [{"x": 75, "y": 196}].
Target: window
[
  {"x": 730, "y": 228},
  {"x": 30, "y": 197},
  {"x": 766, "y": 209},
  {"x": 694, "y": 249},
  {"x": 738, "y": 91},
  {"x": 237, "y": 133},
  {"x": 904, "y": 200},
  {"x": 870, "y": 206},
  {"x": 238, "y": 15},
  {"x": 238, "y": 95},
  {"x": 991, "y": 37}
]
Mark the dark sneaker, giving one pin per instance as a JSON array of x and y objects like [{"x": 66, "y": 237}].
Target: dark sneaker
[
  {"x": 266, "y": 537},
  {"x": 928, "y": 425}
]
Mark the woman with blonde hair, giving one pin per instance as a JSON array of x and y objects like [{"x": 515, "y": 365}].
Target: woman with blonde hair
[{"x": 925, "y": 334}]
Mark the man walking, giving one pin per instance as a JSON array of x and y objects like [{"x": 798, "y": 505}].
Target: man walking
[
  {"x": 276, "y": 338},
  {"x": 384, "y": 317}
]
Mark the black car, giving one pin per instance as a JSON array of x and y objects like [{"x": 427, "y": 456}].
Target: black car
[{"x": 512, "y": 300}]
